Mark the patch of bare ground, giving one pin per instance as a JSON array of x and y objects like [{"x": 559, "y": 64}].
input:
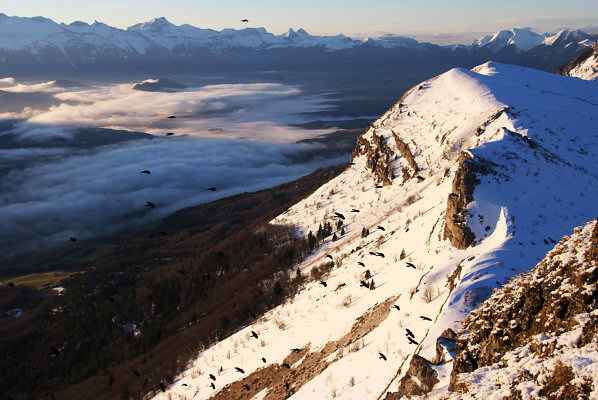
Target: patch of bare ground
[{"x": 275, "y": 377}]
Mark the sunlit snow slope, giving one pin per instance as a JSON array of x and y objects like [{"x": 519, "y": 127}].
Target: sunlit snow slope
[{"x": 516, "y": 147}]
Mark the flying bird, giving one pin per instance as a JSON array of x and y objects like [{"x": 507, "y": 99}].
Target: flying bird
[
  {"x": 409, "y": 333},
  {"x": 373, "y": 253},
  {"x": 323, "y": 283},
  {"x": 355, "y": 210},
  {"x": 411, "y": 265},
  {"x": 136, "y": 373},
  {"x": 169, "y": 133},
  {"x": 150, "y": 204},
  {"x": 246, "y": 387},
  {"x": 73, "y": 239},
  {"x": 380, "y": 255},
  {"x": 379, "y": 186},
  {"x": 364, "y": 284},
  {"x": 351, "y": 163},
  {"x": 213, "y": 386},
  {"x": 329, "y": 256},
  {"x": 184, "y": 384},
  {"x": 339, "y": 215},
  {"x": 245, "y": 20},
  {"x": 171, "y": 116},
  {"x": 296, "y": 350},
  {"x": 212, "y": 189},
  {"x": 411, "y": 340},
  {"x": 382, "y": 356},
  {"x": 381, "y": 228},
  {"x": 264, "y": 360},
  {"x": 360, "y": 263},
  {"x": 397, "y": 307},
  {"x": 425, "y": 318},
  {"x": 212, "y": 377},
  {"x": 145, "y": 171},
  {"x": 240, "y": 370},
  {"x": 254, "y": 334}
]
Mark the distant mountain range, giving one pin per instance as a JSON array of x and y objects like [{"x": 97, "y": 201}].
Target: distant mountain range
[{"x": 34, "y": 44}]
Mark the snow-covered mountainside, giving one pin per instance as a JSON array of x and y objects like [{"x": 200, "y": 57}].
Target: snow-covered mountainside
[
  {"x": 470, "y": 179},
  {"x": 585, "y": 66},
  {"x": 524, "y": 39}
]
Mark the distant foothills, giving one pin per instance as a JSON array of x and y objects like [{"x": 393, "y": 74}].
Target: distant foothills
[{"x": 34, "y": 46}]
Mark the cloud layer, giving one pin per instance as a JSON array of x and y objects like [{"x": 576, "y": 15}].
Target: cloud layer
[{"x": 232, "y": 137}]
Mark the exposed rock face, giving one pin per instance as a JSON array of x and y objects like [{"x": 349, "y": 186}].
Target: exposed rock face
[
  {"x": 420, "y": 377},
  {"x": 455, "y": 229},
  {"x": 567, "y": 68},
  {"x": 378, "y": 156},
  {"x": 547, "y": 299},
  {"x": 445, "y": 347},
  {"x": 405, "y": 152}
]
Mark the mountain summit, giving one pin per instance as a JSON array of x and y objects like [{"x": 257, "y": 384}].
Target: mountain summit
[{"x": 468, "y": 180}]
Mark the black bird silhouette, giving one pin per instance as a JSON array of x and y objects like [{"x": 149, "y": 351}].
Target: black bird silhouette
[
  {"x": 145, "y": 171},
  {"x": 382, "y": 356},
  {"x": 244, "y": 20},
  {"x": 397, "y": 307},
  {"x": 355, "y": 210},
  {"x": 411, "y": 265},
  {"x": 379, "y": 186},
  {"x": 73, "y": 239},
  {"x": 211, "y": 189},
  {"x": 169, "y": 133},
  {"x": 364, "y": 284},
  {"x": 184, "y": 384},
  {"x": 264, "y": 360},
  {"x": 409, "y": 333},
  {"x": 296, "y": 350},
  {"x": 136, "y": 373},
  {"x": 10, "y": 284},
  {"x": 55, "y": 351},
  {"x": 323, "y": 283},
  {"x": 206, "y": 276},
  {"x": 341, "y": 216},
  {"x": 360, "y": 263},
  {"x": 163, "y": 233},
  {"x": 329, "y": 256},
  {"x": 150, "y": 204},
  {"x": 112, "y": 299},
  {"x": 212, "y": 385},
  {"x": 286, "y": 365},
  {"x": 240, "y": 370},
  {"x": 171, "y": 116},
  {"x": 246, "y": 387},
  {"x": 212, "y": 377},
  {"x": 162, "y": 387},
  {"x": 254, "y": 334},
  {"x": 351, "y": 163},
  {"x": 411, "y": 340},
  {"x": 381, "y": 228},
  {"x": 181, "y": 271},
  {"x": 373, "y": 253},
  {"x": 380, "y": 255},
  {"x": 425, "y": 318},
  {"x": 286, "y": 385}
]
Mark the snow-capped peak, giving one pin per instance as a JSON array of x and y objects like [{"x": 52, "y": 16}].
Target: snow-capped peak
[{"x": 524, "y": 39}]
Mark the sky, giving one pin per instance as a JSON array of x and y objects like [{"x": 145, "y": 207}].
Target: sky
[{"x": 439, "y": 21}]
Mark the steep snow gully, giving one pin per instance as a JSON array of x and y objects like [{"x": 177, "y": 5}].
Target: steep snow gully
[{"x": 470, "y": 179}]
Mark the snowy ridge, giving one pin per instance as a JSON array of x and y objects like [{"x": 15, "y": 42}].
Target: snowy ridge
[
  {"x": 531, "y": 151},
  {"x": 586, "y": 68},
  {"x": 524, "y": 39}
]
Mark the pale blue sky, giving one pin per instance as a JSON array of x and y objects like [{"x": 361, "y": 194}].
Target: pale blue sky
[{"x": 460, "y": 20}]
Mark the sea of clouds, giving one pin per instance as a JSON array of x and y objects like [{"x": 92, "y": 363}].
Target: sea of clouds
[{"x": 235, "y": 137}]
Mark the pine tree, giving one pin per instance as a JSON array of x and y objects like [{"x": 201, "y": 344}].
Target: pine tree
[
  {"x": 311, "y": 241},
  {"x": 343, "y": 231},
  {"x": 368, "y": 274},
  {"x": 334, "y": 237},
  {"x": 339, "y": 224},
  {"x": 403, "y": 254},
  {"x": 372, "y": 285}
]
